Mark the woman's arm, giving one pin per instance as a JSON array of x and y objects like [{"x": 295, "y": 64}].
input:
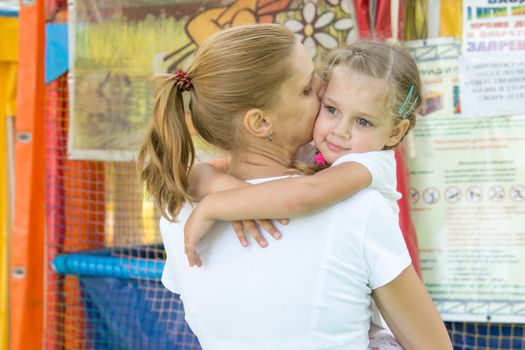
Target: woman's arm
[{"x": 410, "y": 313}]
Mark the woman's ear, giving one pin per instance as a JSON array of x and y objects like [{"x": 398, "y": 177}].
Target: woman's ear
[
  {"x": 256, "y": 123},
  {"x": 398, "y": 132}
]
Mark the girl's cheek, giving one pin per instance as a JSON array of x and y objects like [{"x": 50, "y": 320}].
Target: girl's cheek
[
  {"x": 317, "y": 132},
  {"x": 319, "y": 125}
]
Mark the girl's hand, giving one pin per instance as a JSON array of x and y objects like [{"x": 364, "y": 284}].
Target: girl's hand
[
  {"x": 197, "y": 225},
  {"x": 250, "y": 226}
]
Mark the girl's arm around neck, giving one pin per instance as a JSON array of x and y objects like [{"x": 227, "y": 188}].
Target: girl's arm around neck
[
  {"x": 284, "y": 198},
  {"x": 276, "y": 199},
  {"x": 210, "y": 177}
]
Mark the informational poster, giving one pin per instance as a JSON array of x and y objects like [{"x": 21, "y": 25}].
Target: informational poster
[
  {"x": 492, "y": 63},
  {"x": 118, "y": 46},
  {"x": 468, "y": 197}
]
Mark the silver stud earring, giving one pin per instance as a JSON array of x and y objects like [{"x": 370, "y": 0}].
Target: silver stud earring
[{"x": 270, "y": 136}]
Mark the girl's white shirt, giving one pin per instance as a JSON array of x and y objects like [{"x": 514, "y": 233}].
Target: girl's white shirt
[
  {"x": 310, "y": 290},
  {"x": 382, "y": 166}
]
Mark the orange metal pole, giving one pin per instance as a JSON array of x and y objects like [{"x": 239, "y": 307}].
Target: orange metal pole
[{"x": 27, "y": 256}]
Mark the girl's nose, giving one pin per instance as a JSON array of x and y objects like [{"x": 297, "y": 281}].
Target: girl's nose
[{"x": 342, "y": 130}]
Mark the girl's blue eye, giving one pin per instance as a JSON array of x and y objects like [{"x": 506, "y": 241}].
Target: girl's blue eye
[
  {"x": 330, "y": 109},
  {"x": 363, "y": 122}
]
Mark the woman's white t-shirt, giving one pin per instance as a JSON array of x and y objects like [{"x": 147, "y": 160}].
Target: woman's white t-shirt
[{"x": 309, "y": 290}]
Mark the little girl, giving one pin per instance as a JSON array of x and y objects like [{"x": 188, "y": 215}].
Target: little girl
[{"x": 364, "y": 114}]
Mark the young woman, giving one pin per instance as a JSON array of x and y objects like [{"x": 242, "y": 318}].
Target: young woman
[{"x": 254, "y": 93}]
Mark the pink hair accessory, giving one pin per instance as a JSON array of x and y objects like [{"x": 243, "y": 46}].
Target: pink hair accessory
[{"x": 319, "y": 159}]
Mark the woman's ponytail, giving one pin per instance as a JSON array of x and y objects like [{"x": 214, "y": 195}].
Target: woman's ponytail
[
  {"x": 167, "y": 153},
  {"x": 233, "y": 71}
]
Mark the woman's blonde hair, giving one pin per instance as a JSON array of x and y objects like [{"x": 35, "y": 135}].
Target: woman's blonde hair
[
  {"x": 232, "y": 71},
  {"x": 389, "y": 62}
]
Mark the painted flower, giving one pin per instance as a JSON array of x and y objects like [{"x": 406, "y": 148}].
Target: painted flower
[
  {"x": 346, "y": 23},
  {"x": 344, "y": 4},
  {"x": 309, "y": 31}
]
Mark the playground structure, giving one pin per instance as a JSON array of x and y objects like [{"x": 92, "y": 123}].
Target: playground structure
[
  {"x": 8, "y": 74},
  {"x": 83, "y": 270}
]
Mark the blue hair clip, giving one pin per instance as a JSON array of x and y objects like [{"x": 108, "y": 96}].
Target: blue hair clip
[
  {"x": 409, "y": 96},
  {"x": 407, "y": 112},
  {"x": 405, "y": 104}
]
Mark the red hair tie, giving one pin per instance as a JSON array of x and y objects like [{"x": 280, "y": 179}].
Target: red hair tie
[{"x": 183, "y": 80}]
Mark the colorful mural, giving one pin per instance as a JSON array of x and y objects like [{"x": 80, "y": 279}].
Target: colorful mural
[{"x": 118, "y": 47}]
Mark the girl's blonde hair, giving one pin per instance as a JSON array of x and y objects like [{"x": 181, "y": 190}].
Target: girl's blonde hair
[
  {"x": 389, "y": 62},
  {"x": 232, "y": 71}
]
